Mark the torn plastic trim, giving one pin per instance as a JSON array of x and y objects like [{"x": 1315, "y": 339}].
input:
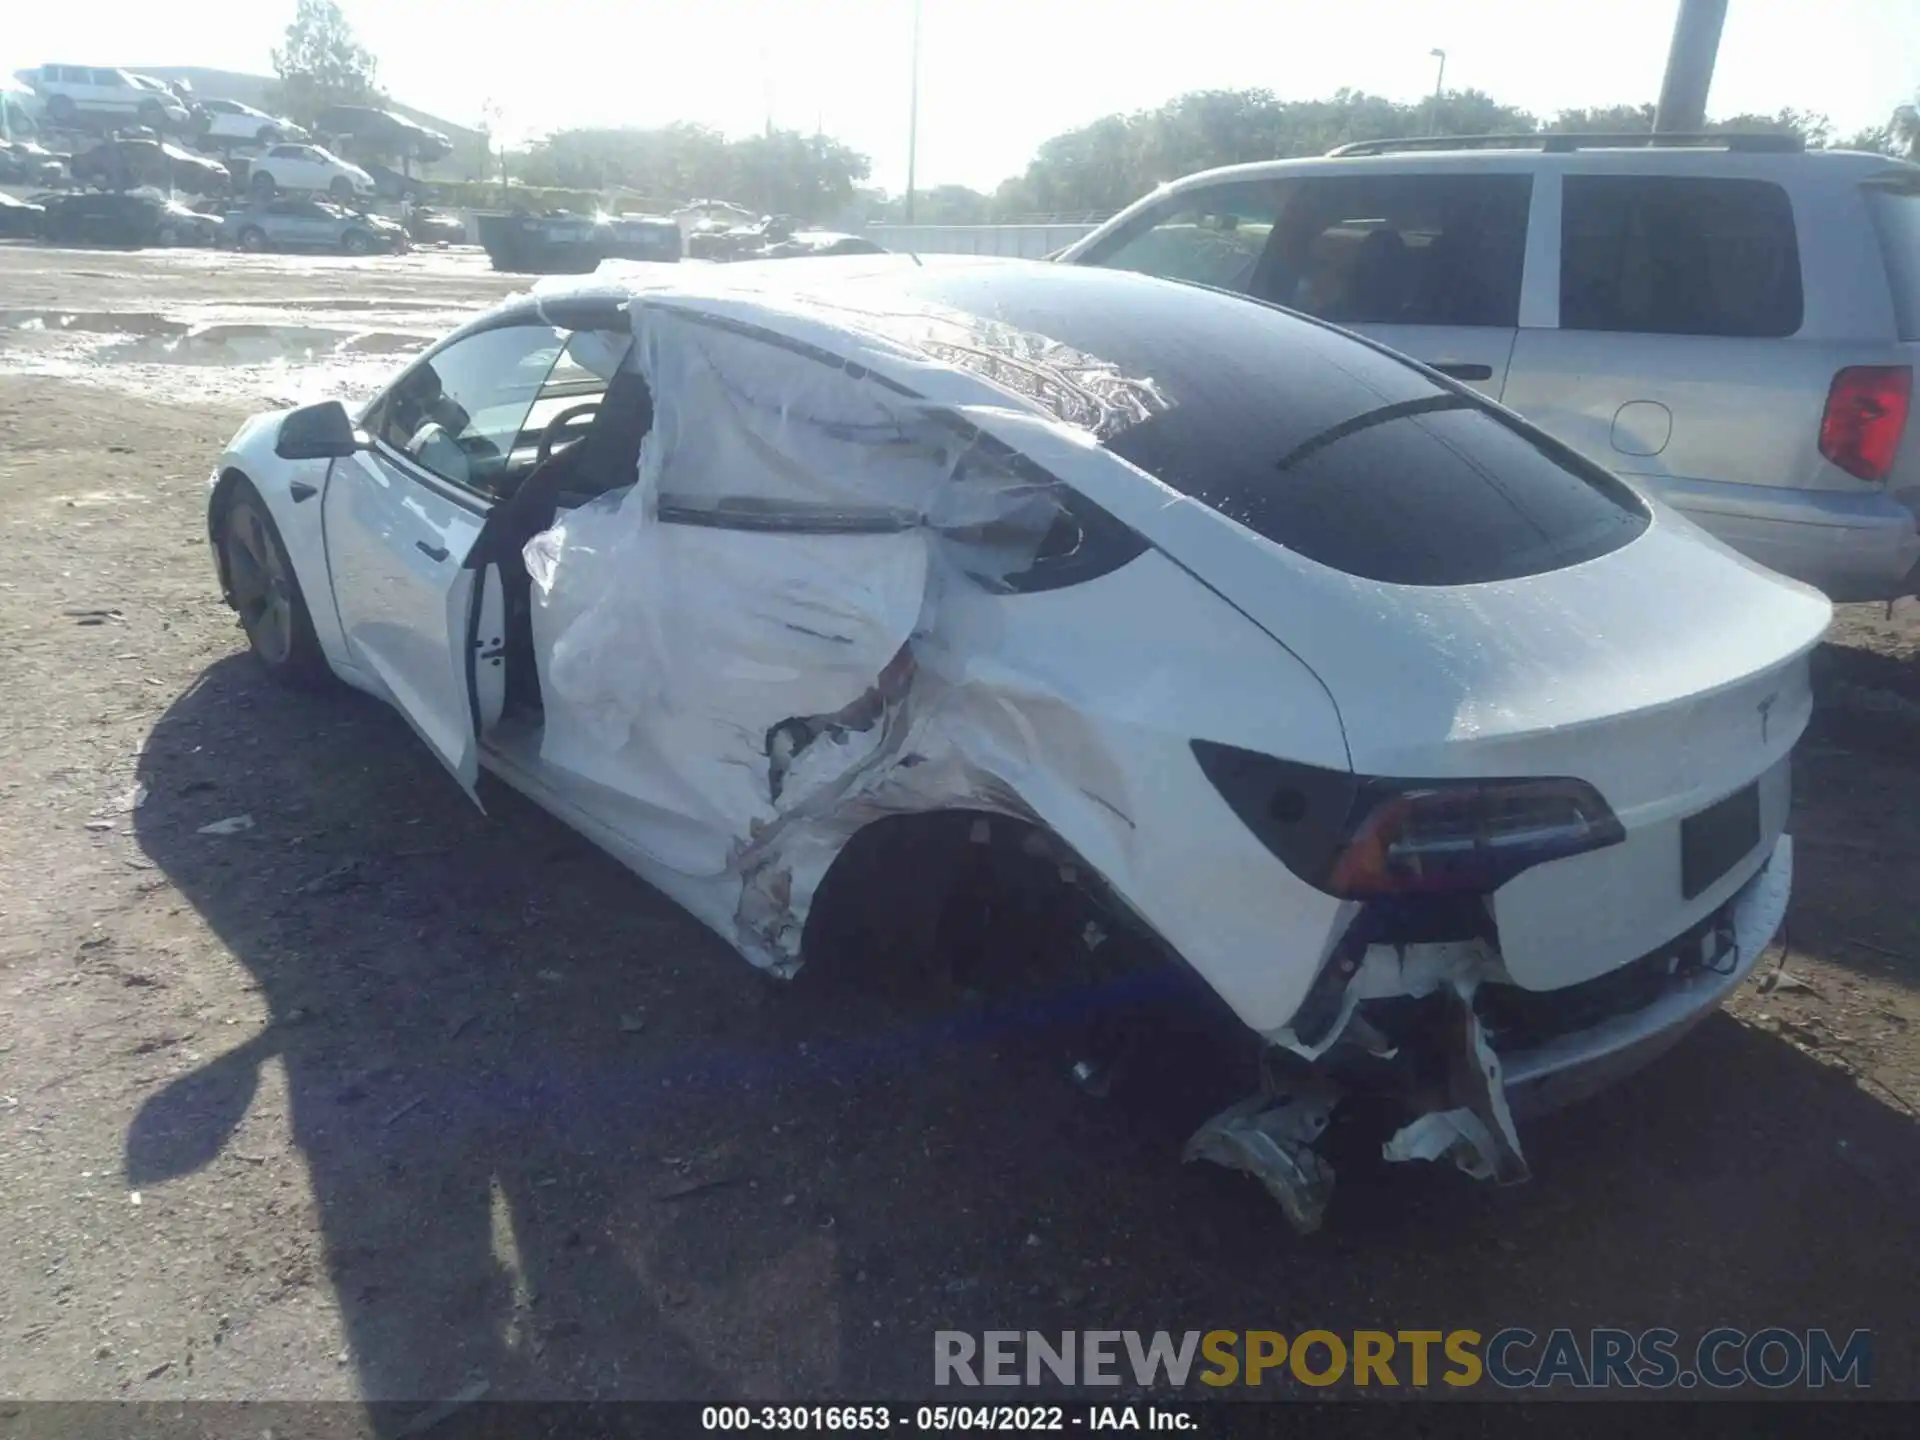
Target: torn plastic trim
[
  {"x": 1476, "y": 1131},
  {"x": 1470, "y": 1121},
  {"x": 1270, "y": 1136}
]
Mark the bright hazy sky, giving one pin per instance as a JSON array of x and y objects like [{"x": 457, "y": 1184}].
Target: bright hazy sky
[{"x": 1000, "y": 76}]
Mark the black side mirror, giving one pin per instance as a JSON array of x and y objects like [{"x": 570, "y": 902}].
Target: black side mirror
[{"x": 319, "y": 432}]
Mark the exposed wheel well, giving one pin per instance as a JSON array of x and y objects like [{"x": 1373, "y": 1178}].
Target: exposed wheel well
[
  {"x": 960, "y": 900},
  {"x": 958, "y": 910}
]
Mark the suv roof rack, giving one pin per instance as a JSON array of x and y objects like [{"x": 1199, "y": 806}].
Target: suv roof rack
[{"x": 1766, "y": 142}]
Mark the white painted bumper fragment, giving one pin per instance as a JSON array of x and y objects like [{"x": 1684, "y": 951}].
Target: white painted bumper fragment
[{"x": 1574, "y": 1066}]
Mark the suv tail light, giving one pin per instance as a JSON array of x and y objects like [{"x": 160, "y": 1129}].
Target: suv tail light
[
  {"x": 1362, "y": 838},
  {"x": 1865, "y": 417}
]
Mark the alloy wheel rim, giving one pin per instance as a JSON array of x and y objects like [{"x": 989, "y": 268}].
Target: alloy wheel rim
[{"x": 262, "y": 591}]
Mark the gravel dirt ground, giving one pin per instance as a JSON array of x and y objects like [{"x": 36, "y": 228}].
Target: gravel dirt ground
[{"x": 383, "y": 1097}]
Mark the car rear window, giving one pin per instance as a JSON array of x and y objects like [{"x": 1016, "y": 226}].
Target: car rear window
[
  {"x": 1896, "y": 214},
  {"x": 1341, "y": 452}
]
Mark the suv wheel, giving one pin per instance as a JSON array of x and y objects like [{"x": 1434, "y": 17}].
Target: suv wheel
[
  {"x": 356, "y": 242},
  {"x": 253, "y": 238}
]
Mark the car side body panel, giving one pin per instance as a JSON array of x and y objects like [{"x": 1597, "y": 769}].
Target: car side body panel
[{"x": 824, "y": 600}]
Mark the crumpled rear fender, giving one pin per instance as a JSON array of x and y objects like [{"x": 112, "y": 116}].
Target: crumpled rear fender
[{"x": 807, "y": 614}]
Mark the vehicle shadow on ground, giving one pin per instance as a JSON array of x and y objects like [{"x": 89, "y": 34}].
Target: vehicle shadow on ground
[{"x": 562, "y": 1141}]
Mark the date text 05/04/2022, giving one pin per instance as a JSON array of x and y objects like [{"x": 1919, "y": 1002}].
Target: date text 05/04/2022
[{"x": 940, "y": 1419}]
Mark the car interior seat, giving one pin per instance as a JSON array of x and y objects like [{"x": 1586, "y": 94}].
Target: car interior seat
[
  {"x": 604, "y": 460},
  {"x": 1376, "y": 287}
]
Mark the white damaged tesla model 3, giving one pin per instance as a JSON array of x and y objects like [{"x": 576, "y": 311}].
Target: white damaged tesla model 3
[{"x": 1455, "y": 769}]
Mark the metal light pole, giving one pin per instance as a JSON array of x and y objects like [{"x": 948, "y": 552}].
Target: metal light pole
[
  {"x": 913, "y": 111},
  {"x": 1696, "y": 45},
  {"x": 1439, "y": 83}
]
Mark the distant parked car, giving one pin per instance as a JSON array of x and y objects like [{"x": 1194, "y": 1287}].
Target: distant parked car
[
  {"x": 24, "y": 163},
  {"x": 309, "y": 225},
  {"x": 21, "y": 219},
  {"x": 1731, "y": 322},
  {"x": 382, "y": 132},
  {"x": 171, "y": 93},
  {"x": 308, "y": 168},
  {"x": 126, "y": 164},
  {"x": 391, "y": 184},
  {"x": 80, "y": 94},
  {"x": 183, "y": 225},
  {"x": 817, "y": 242},
  {"x": 231, "y": 123},
  {"x": 122, "y": 220},
  {"x": 562, "y": 243},
  {"x": 430, "y": 227}
]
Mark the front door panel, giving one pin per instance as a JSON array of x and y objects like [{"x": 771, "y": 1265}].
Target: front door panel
[{"x": 396, "y": 547}]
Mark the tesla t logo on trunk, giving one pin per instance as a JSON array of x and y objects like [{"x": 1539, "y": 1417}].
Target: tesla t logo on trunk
[{"x": 1765, "y": 707}]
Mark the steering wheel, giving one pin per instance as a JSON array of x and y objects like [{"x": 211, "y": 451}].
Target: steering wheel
[{"x": 561, "y": 423}]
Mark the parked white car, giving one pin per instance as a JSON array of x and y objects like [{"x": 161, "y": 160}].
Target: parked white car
[
  {"x": 1266, "y": 655},
  {"x": 308, "y": 168},
  {"x": 230, "y": 122},
  {"x": 1733, "y": 326},
  {"x": 75, "y": 94}
]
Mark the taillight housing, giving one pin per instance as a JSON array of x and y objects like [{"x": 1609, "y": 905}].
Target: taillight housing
[
  {"x": 1865, "y": 418},
  {"x": 1472, "y": 837},
  {"x": 1363, "y": 838}
]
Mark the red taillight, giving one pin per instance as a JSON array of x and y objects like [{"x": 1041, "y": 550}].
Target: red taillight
[
  {"x": 1469, "y": 836},
  {"x": 1865, "y": 418}
]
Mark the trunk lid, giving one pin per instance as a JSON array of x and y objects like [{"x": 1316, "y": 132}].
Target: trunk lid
[{"x": 1669, "y": 674}]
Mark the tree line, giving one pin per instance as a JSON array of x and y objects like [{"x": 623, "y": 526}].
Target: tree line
[
  {"x": 1087, "y": 172},
  {"x": 1102, "y": 166},
  {"x": 779, "y": 172}
]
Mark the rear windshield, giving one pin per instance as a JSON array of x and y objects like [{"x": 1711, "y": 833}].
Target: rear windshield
[
  {"x": 1896, "y": 214},
  {"x": 1342, "y": 453}
]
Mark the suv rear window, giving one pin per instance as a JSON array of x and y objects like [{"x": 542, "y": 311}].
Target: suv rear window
[
  {"x": 1342, "y": 453},
  {"x": 1678, "y": 255},
  {"x": 1896, "y": 215}
]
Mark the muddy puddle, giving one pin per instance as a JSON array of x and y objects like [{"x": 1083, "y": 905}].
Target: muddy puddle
[{"x": 195, "y": 359}]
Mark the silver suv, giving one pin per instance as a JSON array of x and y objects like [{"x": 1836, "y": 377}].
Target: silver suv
[{"x": 1730, "y": 322}]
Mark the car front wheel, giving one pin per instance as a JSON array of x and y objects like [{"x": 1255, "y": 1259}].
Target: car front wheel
[
  {"x": 266, "y": 593},
  {"x": 341, "y": 189},
  {"x": 356, "y": 242},
  {"x": 253, "y": 238},
  {"x": 262, "y": 184}
]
